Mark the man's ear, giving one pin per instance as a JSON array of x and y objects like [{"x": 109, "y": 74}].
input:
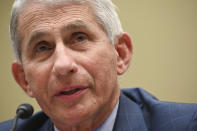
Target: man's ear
[
  {"x": 124, "y": 48},
  {"x": 19, "y": 75}
]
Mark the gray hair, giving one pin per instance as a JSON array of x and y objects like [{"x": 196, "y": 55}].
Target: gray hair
[{"x": 104, "y": 11}]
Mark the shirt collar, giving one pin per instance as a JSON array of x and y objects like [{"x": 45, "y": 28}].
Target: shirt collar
[{"x": 108, "y": 124}]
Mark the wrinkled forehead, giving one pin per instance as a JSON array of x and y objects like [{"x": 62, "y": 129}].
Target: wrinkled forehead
[
  {"x": 50, "y": 5},
  {"x": 35, "y": 13}
]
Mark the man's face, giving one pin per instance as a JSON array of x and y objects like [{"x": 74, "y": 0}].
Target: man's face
[{"x": 69, "y": 65}]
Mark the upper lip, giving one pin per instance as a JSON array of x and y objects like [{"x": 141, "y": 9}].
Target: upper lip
[{"x": 68, "y": 88}]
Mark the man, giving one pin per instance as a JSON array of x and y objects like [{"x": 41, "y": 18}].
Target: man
[{"x": 69, "y": 53}]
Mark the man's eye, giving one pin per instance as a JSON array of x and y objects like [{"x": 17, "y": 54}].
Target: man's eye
[
  {"x": 43, "y": 46},
  {"x": 78, "y": 37}
]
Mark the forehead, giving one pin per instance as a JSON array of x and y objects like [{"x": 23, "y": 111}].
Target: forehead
[
  {"x": 40, "y": 14},
  {"x": 53, "y": 7}
]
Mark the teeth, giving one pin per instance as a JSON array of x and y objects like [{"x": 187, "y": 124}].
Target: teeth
[{"x": 69, "y": 92}]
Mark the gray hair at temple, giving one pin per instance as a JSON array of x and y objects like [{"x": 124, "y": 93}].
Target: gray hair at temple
[{"x": 104, "y": 11}]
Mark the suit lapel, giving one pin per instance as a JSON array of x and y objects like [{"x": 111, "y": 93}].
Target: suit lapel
[
  {"x": 48, "y": 126},
  {"x": 129, "y": 116}
]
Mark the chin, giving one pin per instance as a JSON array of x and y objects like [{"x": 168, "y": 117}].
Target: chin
[{"x": 74, "y": 118}]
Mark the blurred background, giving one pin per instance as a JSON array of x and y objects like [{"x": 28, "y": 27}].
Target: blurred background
[{"x": 164, "y": 35}]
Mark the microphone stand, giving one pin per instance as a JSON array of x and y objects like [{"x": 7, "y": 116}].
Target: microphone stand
[
  {"x": 14, "y": 123},
  {"x": 24, "y": 111}
]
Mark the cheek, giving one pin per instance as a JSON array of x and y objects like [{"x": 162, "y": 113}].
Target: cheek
[
  {"x": 105, "y": 66},
  {"x": 102, "y": 67},
  {"x": 39, "y": 86},
  {"x": 37, "y": 78},
  {"x": 101, "y": 60}
]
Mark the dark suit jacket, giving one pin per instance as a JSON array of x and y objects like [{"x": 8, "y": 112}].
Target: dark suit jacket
[{"x": 138, "y": 111}]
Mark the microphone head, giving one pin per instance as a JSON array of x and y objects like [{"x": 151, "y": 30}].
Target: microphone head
[{"x": 24, "y": 111}]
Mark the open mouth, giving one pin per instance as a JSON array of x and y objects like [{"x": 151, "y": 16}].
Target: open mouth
[{"x": 70, "y": 92}]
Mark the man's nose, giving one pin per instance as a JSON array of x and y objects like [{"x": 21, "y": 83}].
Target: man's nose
[{"x": 64, "y": 63}]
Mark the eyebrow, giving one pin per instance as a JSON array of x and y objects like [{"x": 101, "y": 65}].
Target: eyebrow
[
  {"x": 74, "y": 26},
  {"x": 35, "y": 36}
]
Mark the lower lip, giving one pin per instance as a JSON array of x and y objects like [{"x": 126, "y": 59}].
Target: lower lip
[{"x": 72, "y": 96}]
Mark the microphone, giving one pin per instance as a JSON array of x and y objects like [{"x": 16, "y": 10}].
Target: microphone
[{"x": 23, "y": 111}]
